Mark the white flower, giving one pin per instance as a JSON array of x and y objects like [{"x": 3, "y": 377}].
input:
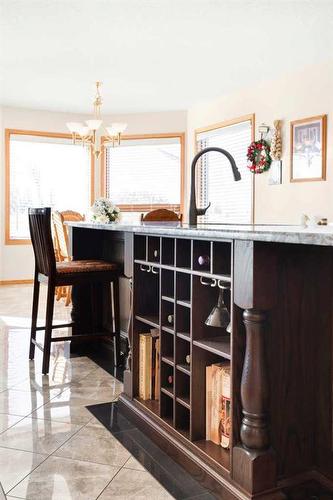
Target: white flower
[
  {"x": 102, "y": 219},
  {"x": 104, "y": 211}
]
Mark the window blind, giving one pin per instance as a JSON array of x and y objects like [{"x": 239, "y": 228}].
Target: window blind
[
  {"x": 231, "y": 202},
  {"x": 144, "y": 173},
  {"x": 45, "y": 171}
]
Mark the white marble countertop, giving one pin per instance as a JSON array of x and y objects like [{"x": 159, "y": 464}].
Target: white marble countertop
[{"x": 317, "y": 235}]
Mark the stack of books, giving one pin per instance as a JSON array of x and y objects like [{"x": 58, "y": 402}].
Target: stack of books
[
  {"x": 218, "y": 417},
  {"x": 149, "y": 365}
]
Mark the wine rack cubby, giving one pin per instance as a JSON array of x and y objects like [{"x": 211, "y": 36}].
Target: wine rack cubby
[{"x": 176, "y": 287}]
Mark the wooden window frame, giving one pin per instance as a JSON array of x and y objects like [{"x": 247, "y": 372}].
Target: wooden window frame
[
  {"x": 147, "y": 207},
  {"x": 226, "y": 123},
  {"x": 55, "y": 135}
]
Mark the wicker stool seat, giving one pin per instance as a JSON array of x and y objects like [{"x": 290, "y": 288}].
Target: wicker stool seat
[{"x": 67, "y": 273}]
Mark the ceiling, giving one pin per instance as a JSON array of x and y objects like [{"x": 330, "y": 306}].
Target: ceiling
[{"x": 152, "y": 55}]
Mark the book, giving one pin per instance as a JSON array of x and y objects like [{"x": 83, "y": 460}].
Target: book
[
  {"x": 145, "y": 365},
  {"x": 226, "y": 403},
  {"x": 218, "y": 419},
  {"x": 157, "y": 370},
  {"x": 208, "y": 400},
  {"x": 216, "y": 406}
]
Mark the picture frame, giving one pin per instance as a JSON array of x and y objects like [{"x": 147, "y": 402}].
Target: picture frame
[{"x": 308, "y": 140}]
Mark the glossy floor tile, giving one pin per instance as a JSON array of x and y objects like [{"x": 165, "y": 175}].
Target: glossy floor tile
[
  {"x": 95, "y": 445},
  {"x": 51, "y": 446},
  {"x": 38, "y": 436},
  {"x": 145, "y": 457},
  {"x": 15, "y": 465},
  {"x": 64, "y": 479},
  {"x": 139, "y": 485}
]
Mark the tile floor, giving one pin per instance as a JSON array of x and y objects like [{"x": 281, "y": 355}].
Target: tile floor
[{"x": 51, "y": 446}]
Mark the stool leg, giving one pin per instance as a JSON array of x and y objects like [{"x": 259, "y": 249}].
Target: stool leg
[
  {"x": 34, "y": 316},
  {"x": 116, "y": 317},
  {"x": 48, "y": 327}
]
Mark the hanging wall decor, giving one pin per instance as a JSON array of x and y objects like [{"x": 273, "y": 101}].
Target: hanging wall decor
[
  {"x": 259, "y": 157},
  {"x": 275, "y": 177},
  {"x": 276, "y": 143}
]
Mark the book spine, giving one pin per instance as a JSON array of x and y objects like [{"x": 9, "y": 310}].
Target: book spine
[
  {"x": 141, "y": 370},
  {"x": 157, "y": 370},
  {"x": 208, "y": 400},
  {"x": 226, "y": 407},
  {"x": 147, "y": 367},
  {"x": 215, "y": 410}
]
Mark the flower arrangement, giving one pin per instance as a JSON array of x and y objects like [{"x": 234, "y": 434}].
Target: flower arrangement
[{"x": 104, "y": 211}]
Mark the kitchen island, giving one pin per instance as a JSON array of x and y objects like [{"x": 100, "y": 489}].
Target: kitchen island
[{"x": 279, "y": 282}]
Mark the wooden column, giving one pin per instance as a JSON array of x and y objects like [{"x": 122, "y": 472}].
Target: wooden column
[
  {"x": 254, "y": 388},
  {"x": 254, "y": 464}
]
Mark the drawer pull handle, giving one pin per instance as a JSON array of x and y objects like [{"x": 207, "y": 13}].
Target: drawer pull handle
[{"x": 212, "y": 281}]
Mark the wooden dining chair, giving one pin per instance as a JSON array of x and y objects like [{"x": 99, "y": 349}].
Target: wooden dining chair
[
  {"x": 75, "y": 272},
  {"x": 161, "y": 215},
  {"x": 62, "y": 247}
]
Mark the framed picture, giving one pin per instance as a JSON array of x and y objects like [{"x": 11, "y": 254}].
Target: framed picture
[{"x": 308, "y": 149}]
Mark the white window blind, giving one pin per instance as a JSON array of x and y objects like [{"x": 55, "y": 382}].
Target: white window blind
[
  {"x": 231, "y": 202},
  {"x": 145, "y": 173},
  {"x": 45, "y": 171}
]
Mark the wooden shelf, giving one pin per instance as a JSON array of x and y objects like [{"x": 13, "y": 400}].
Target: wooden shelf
[
  {"x": 149, "y": 320},
  {"x": 216, "y": 345},
  {"x": 151, "y": 404},
  {"x": 184, "y": 335},
  {"x": 168, "y": 329},
  {"x": 184, "y": 368},
  {"x": 185, "y": 303},
  {"x": 184, "y": 401},
  {"x": 215, "y": 451},
  {"x": 167, "y": 298},
  {"x": 184, "y": 432},
  {"x": 168, "y": 391},
  {"x": 178, "y": 291},
  {"x": 168, "y": 360}
]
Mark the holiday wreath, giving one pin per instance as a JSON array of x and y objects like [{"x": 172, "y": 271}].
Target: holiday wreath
[{"x": 258, "y": 155}]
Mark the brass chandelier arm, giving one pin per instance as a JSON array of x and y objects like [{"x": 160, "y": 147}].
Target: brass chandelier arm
[{"x": 92, "y": 139}]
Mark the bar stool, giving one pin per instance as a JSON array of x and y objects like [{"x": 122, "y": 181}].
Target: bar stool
[{"x": 54, "y": 274}]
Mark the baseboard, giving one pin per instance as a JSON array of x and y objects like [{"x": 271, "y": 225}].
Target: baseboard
[{"x": 16, "y": 282}]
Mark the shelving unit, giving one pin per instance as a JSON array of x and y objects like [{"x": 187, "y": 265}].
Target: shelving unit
[{"x": 169, "y": 294}]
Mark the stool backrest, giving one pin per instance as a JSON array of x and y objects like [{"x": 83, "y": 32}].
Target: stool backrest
[
  {"x": 41, "y": 239},
  {"x": 161, "y": 214},
  {"x": 61, "y": 231}
]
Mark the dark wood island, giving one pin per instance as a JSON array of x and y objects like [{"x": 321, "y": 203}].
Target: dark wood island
[{"x": 279, "y": 282}]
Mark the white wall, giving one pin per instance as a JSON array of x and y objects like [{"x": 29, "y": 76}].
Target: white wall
[
  {"x": 293, "y": 96},
  {"x": 16, "y": 261}
]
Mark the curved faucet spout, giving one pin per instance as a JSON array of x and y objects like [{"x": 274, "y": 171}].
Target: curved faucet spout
[{"x": 194, "y": 211}]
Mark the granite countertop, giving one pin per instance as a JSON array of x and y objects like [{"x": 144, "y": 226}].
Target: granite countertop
[{"x": 317, "y": 235}]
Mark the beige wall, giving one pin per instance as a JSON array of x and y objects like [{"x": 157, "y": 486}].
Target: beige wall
[
  {"x": 16, "y": 261},
  {"x": 293, "y": 96}
]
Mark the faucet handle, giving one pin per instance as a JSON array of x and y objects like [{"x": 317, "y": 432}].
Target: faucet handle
[{"x": 202, "y": 211}]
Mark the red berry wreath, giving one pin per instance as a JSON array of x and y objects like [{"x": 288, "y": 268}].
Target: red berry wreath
[{"x": 258, "y": 155}]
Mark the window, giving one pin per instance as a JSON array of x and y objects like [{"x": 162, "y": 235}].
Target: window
[
  {"x": 145, "y": 172},
  {"x": 44, "y": 169},
  {"x": 231, "y": 202}
]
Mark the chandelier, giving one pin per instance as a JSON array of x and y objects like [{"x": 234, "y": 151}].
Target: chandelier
[{"x": 87, "y": 134}]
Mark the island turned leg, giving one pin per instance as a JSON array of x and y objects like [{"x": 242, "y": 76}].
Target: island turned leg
[
  {"x": 254, "y": 464},
  {"x": 254, "y": 386}
]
